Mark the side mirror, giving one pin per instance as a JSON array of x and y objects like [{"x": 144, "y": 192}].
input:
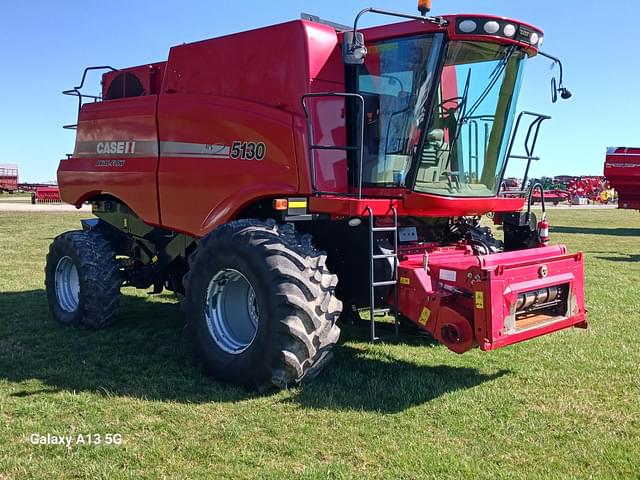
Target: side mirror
[
  {"x": 565, "y": 93},
  {"x": 354, "y": 50}
]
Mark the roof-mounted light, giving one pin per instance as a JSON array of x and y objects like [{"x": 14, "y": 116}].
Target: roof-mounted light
[
  {"x": 535, "y": 38},
  {"x": 467, "y": 26},
  {"x": 492, "y": 27},
  {"x": 510, "y": 30},
  {"x": 499, "y": 28}
]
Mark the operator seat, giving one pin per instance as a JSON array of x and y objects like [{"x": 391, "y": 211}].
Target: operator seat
[{"x": 434, "y": 158}]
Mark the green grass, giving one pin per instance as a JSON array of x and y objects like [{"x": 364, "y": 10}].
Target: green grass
[{"x": 566, "y": 405}]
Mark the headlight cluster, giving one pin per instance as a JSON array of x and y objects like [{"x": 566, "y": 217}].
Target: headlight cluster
[{"x": 500, "y": 28}]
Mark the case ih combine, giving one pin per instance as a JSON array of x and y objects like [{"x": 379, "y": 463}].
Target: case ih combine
[
  {"x": 280, "y": 176},
  {"x": 622, "y": 169}
]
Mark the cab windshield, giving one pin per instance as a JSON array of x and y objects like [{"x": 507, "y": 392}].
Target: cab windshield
[
  {"x": 464, "y": 152},
  {"x": 396, "y": 82}
]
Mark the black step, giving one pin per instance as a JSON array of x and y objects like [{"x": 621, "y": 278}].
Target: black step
[
  {"x": 384, "y": 284},
  {"x": 387, "y": 255}
]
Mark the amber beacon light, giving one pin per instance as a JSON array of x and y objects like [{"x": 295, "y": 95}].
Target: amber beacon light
[{"x": 424, "y": 6}]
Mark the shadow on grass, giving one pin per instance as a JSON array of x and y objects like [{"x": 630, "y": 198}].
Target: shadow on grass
[
  {"x": 623, "y": 259},
  {"x": 371, "y": 381},
  {"x": 614, "y": 232},
  {"x": 148, "y": 355}
]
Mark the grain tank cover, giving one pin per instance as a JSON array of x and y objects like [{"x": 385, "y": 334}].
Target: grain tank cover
[{"x": 274, "y": 65}]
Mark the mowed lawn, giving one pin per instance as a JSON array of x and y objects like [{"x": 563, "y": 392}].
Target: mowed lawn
[{"x": 566, "y": 405}]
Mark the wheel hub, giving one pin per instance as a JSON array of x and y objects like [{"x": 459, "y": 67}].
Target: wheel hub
[
  {"x": 67, "y": 284},
  {"x": 231, "y": 311}
]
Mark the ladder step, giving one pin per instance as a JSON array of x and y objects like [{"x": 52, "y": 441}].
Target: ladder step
[
  {"x": 381, "y": 310},
  {"x": 388, "y": 255},
  {"x": 384, "y": 229},
  {"x": 384, "y": 284}
]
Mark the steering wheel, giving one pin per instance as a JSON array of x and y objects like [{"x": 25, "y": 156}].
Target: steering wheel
[
  {"x": 442, "y": 109},
  {"x": 452, "y": 178}
]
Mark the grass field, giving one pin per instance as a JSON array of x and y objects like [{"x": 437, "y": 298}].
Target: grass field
[{"x": 563, "y": 406}]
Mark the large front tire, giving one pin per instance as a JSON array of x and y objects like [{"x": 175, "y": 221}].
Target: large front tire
[
  {"x": 262, "y": 305},
  {"x": 82, "y": 279}
]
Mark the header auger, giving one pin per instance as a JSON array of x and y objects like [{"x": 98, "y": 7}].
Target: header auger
[{"x": 281, "y": 177}]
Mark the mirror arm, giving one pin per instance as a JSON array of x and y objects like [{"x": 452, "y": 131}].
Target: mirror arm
[
  {"x": 436, "y": 20},
  {"x": 555, "y": 60},
  {"x": 564, "y": 92},
  {"x": 354, "y": 46}
]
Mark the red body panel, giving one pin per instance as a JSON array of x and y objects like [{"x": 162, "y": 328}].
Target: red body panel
[
  {"x": 185, "y": 179},
  {"x": 413, "y": 204},
  {"x": 253, "y": 65},
  {"x": 127, "y": 174},
  {"x": 195, "y": 165},
  {"x": 622, "y": 169}
]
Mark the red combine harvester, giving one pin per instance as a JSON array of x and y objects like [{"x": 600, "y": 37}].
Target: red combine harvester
[
  {"x": 251, "y": 181},
  {"x": 622, "y": 169},
  {"x": 8, "y": 178}
]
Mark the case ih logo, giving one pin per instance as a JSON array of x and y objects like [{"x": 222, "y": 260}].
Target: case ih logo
[
  {"x": 111, "y": 163},
  {"x": 112, "y": 148}
]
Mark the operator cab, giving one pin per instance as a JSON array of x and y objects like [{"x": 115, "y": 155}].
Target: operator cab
[{"x": 433, "y": 104}]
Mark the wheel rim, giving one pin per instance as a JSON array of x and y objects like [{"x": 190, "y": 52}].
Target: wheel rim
[
  {"x": 231, "y": 311},
  {"x": 67, "y": 283}
]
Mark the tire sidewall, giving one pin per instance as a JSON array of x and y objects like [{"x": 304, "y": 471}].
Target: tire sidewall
[{"x": 63, "y": 248}]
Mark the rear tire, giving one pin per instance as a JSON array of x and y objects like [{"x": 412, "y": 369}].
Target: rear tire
[
  {"x": 249, "y": 272},
  {"x": 82, "y": 279}
]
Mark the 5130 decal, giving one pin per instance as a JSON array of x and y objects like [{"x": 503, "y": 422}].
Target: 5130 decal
[{"x": 248, "y": 150}]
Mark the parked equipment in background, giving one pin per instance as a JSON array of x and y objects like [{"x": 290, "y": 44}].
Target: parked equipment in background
[
  {"x": 585, "y": 190},
  {"x": 277, "y": 192},
  {"x": 555, "y": 196},
  {"x": 8, "y": 178},
  {"x": 46, "y": 195},
  {"x": 622, "y": 168}
]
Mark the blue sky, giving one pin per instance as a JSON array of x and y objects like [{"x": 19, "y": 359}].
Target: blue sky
[{"x": 44, "y": 46}]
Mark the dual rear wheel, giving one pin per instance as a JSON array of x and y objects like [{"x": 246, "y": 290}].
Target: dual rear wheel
[{"x": 259, "y": 299}]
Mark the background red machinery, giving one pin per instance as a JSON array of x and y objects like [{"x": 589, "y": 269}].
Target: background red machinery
[
  {"x": 587, "y": 189},
  {"x": 46, "y": 194},
  {"x": 591, "y": 188},
  {"x": 622, "y": 168},
  {"x": 8, "y": 178}
]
